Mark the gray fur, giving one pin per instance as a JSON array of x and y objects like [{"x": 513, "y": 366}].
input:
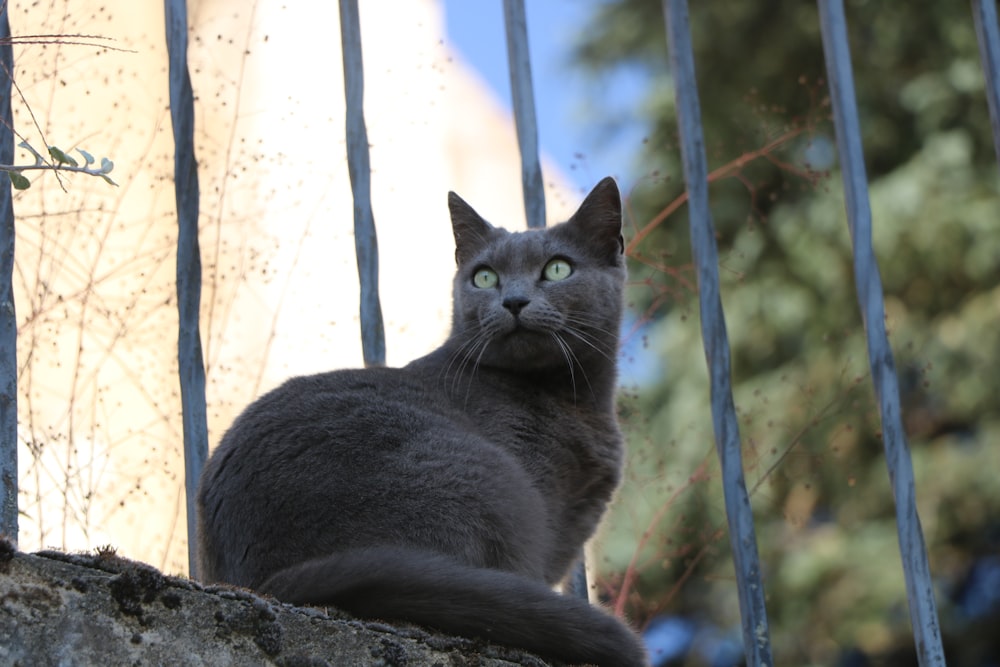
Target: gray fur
[{"x": 453, "y": 492}]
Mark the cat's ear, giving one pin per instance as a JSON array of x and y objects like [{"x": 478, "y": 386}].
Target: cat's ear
[
  {"x": 599, "y": 219},
  {"x": 471, "y": 231}
]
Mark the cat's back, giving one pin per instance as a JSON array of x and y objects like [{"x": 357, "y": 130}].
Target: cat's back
[
  {"x": 346, "y": 458},
  {"x": 332, "y": 425},
  {"x": 342, "y": 406}
]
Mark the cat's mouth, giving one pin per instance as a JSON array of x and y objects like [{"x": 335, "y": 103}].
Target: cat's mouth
[
  {"x": 520, "y": 328},
  {"x": 520, "y": 341},
  {"x": 524, "y": 333},
  {"x": 526, "y": 343}
]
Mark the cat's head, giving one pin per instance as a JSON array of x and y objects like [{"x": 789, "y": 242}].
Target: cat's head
[{"x": 540, "y": 299}]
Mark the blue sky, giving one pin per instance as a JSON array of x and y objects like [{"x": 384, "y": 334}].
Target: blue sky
[{"x": 563, "y": 97}]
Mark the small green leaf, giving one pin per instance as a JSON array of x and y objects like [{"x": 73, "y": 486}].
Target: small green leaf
[
  {"x": 18, "y": 180},
  {"x": 60, "y": 157},
  {"x": 106, "y": 165},
  {"x": 86, "y": 156},
  {"x": 38, "y": 156},
  {"x": 108, "y": 180}
]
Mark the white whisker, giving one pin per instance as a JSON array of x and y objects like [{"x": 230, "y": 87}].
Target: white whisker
[
  {"x": 570, "y": 360},
  {"x": 588, "y": 340}
]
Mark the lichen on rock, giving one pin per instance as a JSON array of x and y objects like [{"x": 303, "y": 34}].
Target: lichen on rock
[{"x": 80, "y": 609}]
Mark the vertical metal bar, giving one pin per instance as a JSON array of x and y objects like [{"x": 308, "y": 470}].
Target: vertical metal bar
[
  {"x": 189, "y": 356},
  {"x": 923, "y": 614},
  {"x": 577, "y": 585},
  {"x": 8, "y": 320},
  {"x": 532, "y": 186},
  {"x": 365, "y": 239},
  {"x": 523, "y": 94},
  {"x": 984, "y": 14},
  {"x": 742, "y": 538},
  {"x": 524, "y": 111}
]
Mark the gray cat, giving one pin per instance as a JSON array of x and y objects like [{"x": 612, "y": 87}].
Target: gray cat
[{"x": 453, "y": 492}]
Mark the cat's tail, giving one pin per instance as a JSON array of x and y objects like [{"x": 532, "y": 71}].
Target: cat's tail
[{"x": 400, "y": 584}]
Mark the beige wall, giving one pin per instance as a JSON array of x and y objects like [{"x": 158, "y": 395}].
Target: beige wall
[{"x": 99, "y": 405}]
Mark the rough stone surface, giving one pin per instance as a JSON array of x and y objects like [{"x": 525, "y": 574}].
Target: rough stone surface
[{"x": 63, "y": 609}]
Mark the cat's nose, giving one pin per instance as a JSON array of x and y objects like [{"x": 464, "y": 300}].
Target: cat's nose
[{"x": 515, "y": 303}]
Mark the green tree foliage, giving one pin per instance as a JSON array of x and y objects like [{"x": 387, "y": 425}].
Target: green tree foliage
[{"x": 808, "y": 422}]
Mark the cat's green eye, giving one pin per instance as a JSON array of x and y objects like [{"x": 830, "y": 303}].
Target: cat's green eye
[
  {"x": 485, "y": 278},
  {"x": 557, "y": 269}
]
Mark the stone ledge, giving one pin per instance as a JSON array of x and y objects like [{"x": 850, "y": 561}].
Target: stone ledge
[{"x": 68, "y": 609}]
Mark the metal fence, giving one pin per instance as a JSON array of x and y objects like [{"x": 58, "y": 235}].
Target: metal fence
[
  {"x": 8, "y": 319},
  {"x": 868, "y": 282}
]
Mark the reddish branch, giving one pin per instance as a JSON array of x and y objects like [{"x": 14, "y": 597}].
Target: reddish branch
[{"x": 731, "y": 168}]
